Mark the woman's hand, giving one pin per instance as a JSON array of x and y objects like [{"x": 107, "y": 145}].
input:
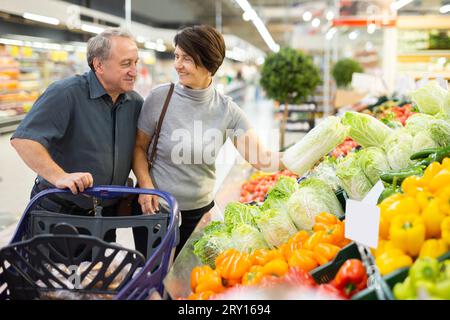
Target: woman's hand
[{"x": 149, "y": 203}]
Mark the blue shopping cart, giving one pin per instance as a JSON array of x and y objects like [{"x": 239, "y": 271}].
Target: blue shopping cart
[{"x": 44, "y": 242}]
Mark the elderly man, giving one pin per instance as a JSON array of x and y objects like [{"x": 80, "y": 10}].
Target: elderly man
[{"x": 81, "y": 131}]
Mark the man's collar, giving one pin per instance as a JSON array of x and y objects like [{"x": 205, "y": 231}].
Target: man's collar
[{"x": 96, "y": 90}]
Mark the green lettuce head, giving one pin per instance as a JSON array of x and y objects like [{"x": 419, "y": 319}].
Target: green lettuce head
[
  {"x": 352, "y": 177},
  {"x": 317, "y": 143},
  {"x": 431, "y": 98},
  {"x": 399, "y": 148},
  {"x": 365, "y": 129},
  {"x": 373, "y": 162},
  {"x": 276, "y": 227},
  {"x": 313, "y": 197}
]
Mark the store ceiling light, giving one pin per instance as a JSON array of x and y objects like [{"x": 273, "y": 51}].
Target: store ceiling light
[
  {"x": 330, "y": 15},
  {"x": 353, "y": 35},
  {"x": 371, "y": 28},
  {"x": 444, "y": 9},
  {"x": 92, "y": 29},
  {"x": 330, "y": 34},
  {"x": 260, "y": 26},
  {"x": 316, "y": 22},
  {"x": 395, "y": 6},
  {"x": 307, "y": 16},
  {"x": 39, "y": 18}
]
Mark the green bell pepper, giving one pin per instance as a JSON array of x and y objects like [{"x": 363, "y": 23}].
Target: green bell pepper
[
  {"x": 404, "y": 290},
  {"x": 424, "y": 269}
]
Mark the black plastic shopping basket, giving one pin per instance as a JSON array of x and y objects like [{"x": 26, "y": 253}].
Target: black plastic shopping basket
[{"x": 45, "y": 243}]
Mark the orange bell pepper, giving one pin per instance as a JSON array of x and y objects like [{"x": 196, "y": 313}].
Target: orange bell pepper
[
  {"x": 323, "y": 220},
  {"x": 262, "y": 256},
  {"x": 232, "y": 264},
  {"x": 325, "y": 252},
  {"x": 300, "y": 237},
  {"x": 205, "y": 295},
  {"x": 277, "y": 267},
  {"x": 304, "y": 259},
  {"x": 253, "y": 276},
  {"x": 197, "y": 274},
  {"x": 334, "y": 234},
  {"x": 316, "y": 238},
  {"x": 210, "y": 282},
  {"x": 289, "y": 247}
]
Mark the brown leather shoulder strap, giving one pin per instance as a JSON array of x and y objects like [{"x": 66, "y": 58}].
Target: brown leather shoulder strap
[{"x": 160, "y": 121}]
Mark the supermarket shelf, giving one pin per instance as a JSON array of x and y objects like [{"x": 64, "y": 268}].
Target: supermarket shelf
[
  {"x": 9, "y": 124},
  {"x": 431, "y": 75}
]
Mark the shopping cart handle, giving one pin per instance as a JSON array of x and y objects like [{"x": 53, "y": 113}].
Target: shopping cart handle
[
  {"x": 103, "y": 192},
  {"x": 106, "y": 192}
]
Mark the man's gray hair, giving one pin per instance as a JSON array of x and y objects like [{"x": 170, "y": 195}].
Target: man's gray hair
[{"x": 99, "y": 46}]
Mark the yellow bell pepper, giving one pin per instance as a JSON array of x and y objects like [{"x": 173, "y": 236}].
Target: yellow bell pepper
[
  {"x": 433, "y": 248},
  {"x": 440, "y": 180},
  {"x": 430, "y": 172},
  {"x": 446, "y": 163},
  {"x": 383, "y": 246},
  {"x": 407, "y": 233},
  {"x": 397, "y": 204},
  {"x": 412, "y": 185},
  {"x": 423, "y": 198},
  {"x": 445, "y": 230},
  {"x": 443, "y": 198},
  {"x": 432, "y": 218},
  {"x": 391, "y": 260}
]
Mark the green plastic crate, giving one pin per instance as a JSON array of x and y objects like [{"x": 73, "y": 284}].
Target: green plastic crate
[
  {"x": 391, "y": 279},
  {"x": 328, "y": 271}
]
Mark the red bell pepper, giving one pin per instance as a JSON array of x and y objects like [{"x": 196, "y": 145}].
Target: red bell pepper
[{"x": 351, "y": 277}]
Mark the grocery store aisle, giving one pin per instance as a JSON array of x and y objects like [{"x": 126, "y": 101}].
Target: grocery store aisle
[{"x": 16, "y": 178}]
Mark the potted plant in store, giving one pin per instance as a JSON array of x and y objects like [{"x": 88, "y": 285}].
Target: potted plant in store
[
  {"x": 290, "y": 77},
  {"x": 342, "y": 73}
]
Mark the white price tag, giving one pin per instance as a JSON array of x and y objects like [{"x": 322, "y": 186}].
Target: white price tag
[
  {"x": 374, "y": 193},
  {"x": 362, "y": 222}
]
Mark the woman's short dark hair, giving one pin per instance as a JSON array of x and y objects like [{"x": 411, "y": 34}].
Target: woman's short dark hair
[{"x": 204, "y": 44}]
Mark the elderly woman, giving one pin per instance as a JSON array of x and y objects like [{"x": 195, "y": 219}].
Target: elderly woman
[{"x": 197, "y": 123}]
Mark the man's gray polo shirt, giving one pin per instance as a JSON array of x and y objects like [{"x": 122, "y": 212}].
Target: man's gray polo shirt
[{"x": 76, "y": 121}]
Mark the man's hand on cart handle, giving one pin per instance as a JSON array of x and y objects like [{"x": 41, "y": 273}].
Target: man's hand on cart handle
[
  {"x": 149, "y": 204},
  {"x": 76, "y": 182}
]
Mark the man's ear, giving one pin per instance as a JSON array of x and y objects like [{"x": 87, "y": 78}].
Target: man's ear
[{"x": 98, "y": 65}]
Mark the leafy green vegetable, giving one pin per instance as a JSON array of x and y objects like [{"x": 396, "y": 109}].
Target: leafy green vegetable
[
  {"x": 365, "y": 129},
  {"x": 280, "y": 192},
  {"x": 210, "y": 245},
  {"x": 276, "y": 226},
  {"x": 326, "y": 172},
  {"x": 440, "y": 132},
  {"x": 318, "y": 142},
  {"x": 431, "y": 98},
  {"x": 423, "y": 140},
  {"x": 352, "y": 177},
  {"x": 313, "y": 197},
  {"x": 399, "y": 148},
  {"x": 238, "y": 213},
  {"x": 418, "y": 123},
  {"x": 373, "y": 162},
  {"x": 247, "y": 238}
]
